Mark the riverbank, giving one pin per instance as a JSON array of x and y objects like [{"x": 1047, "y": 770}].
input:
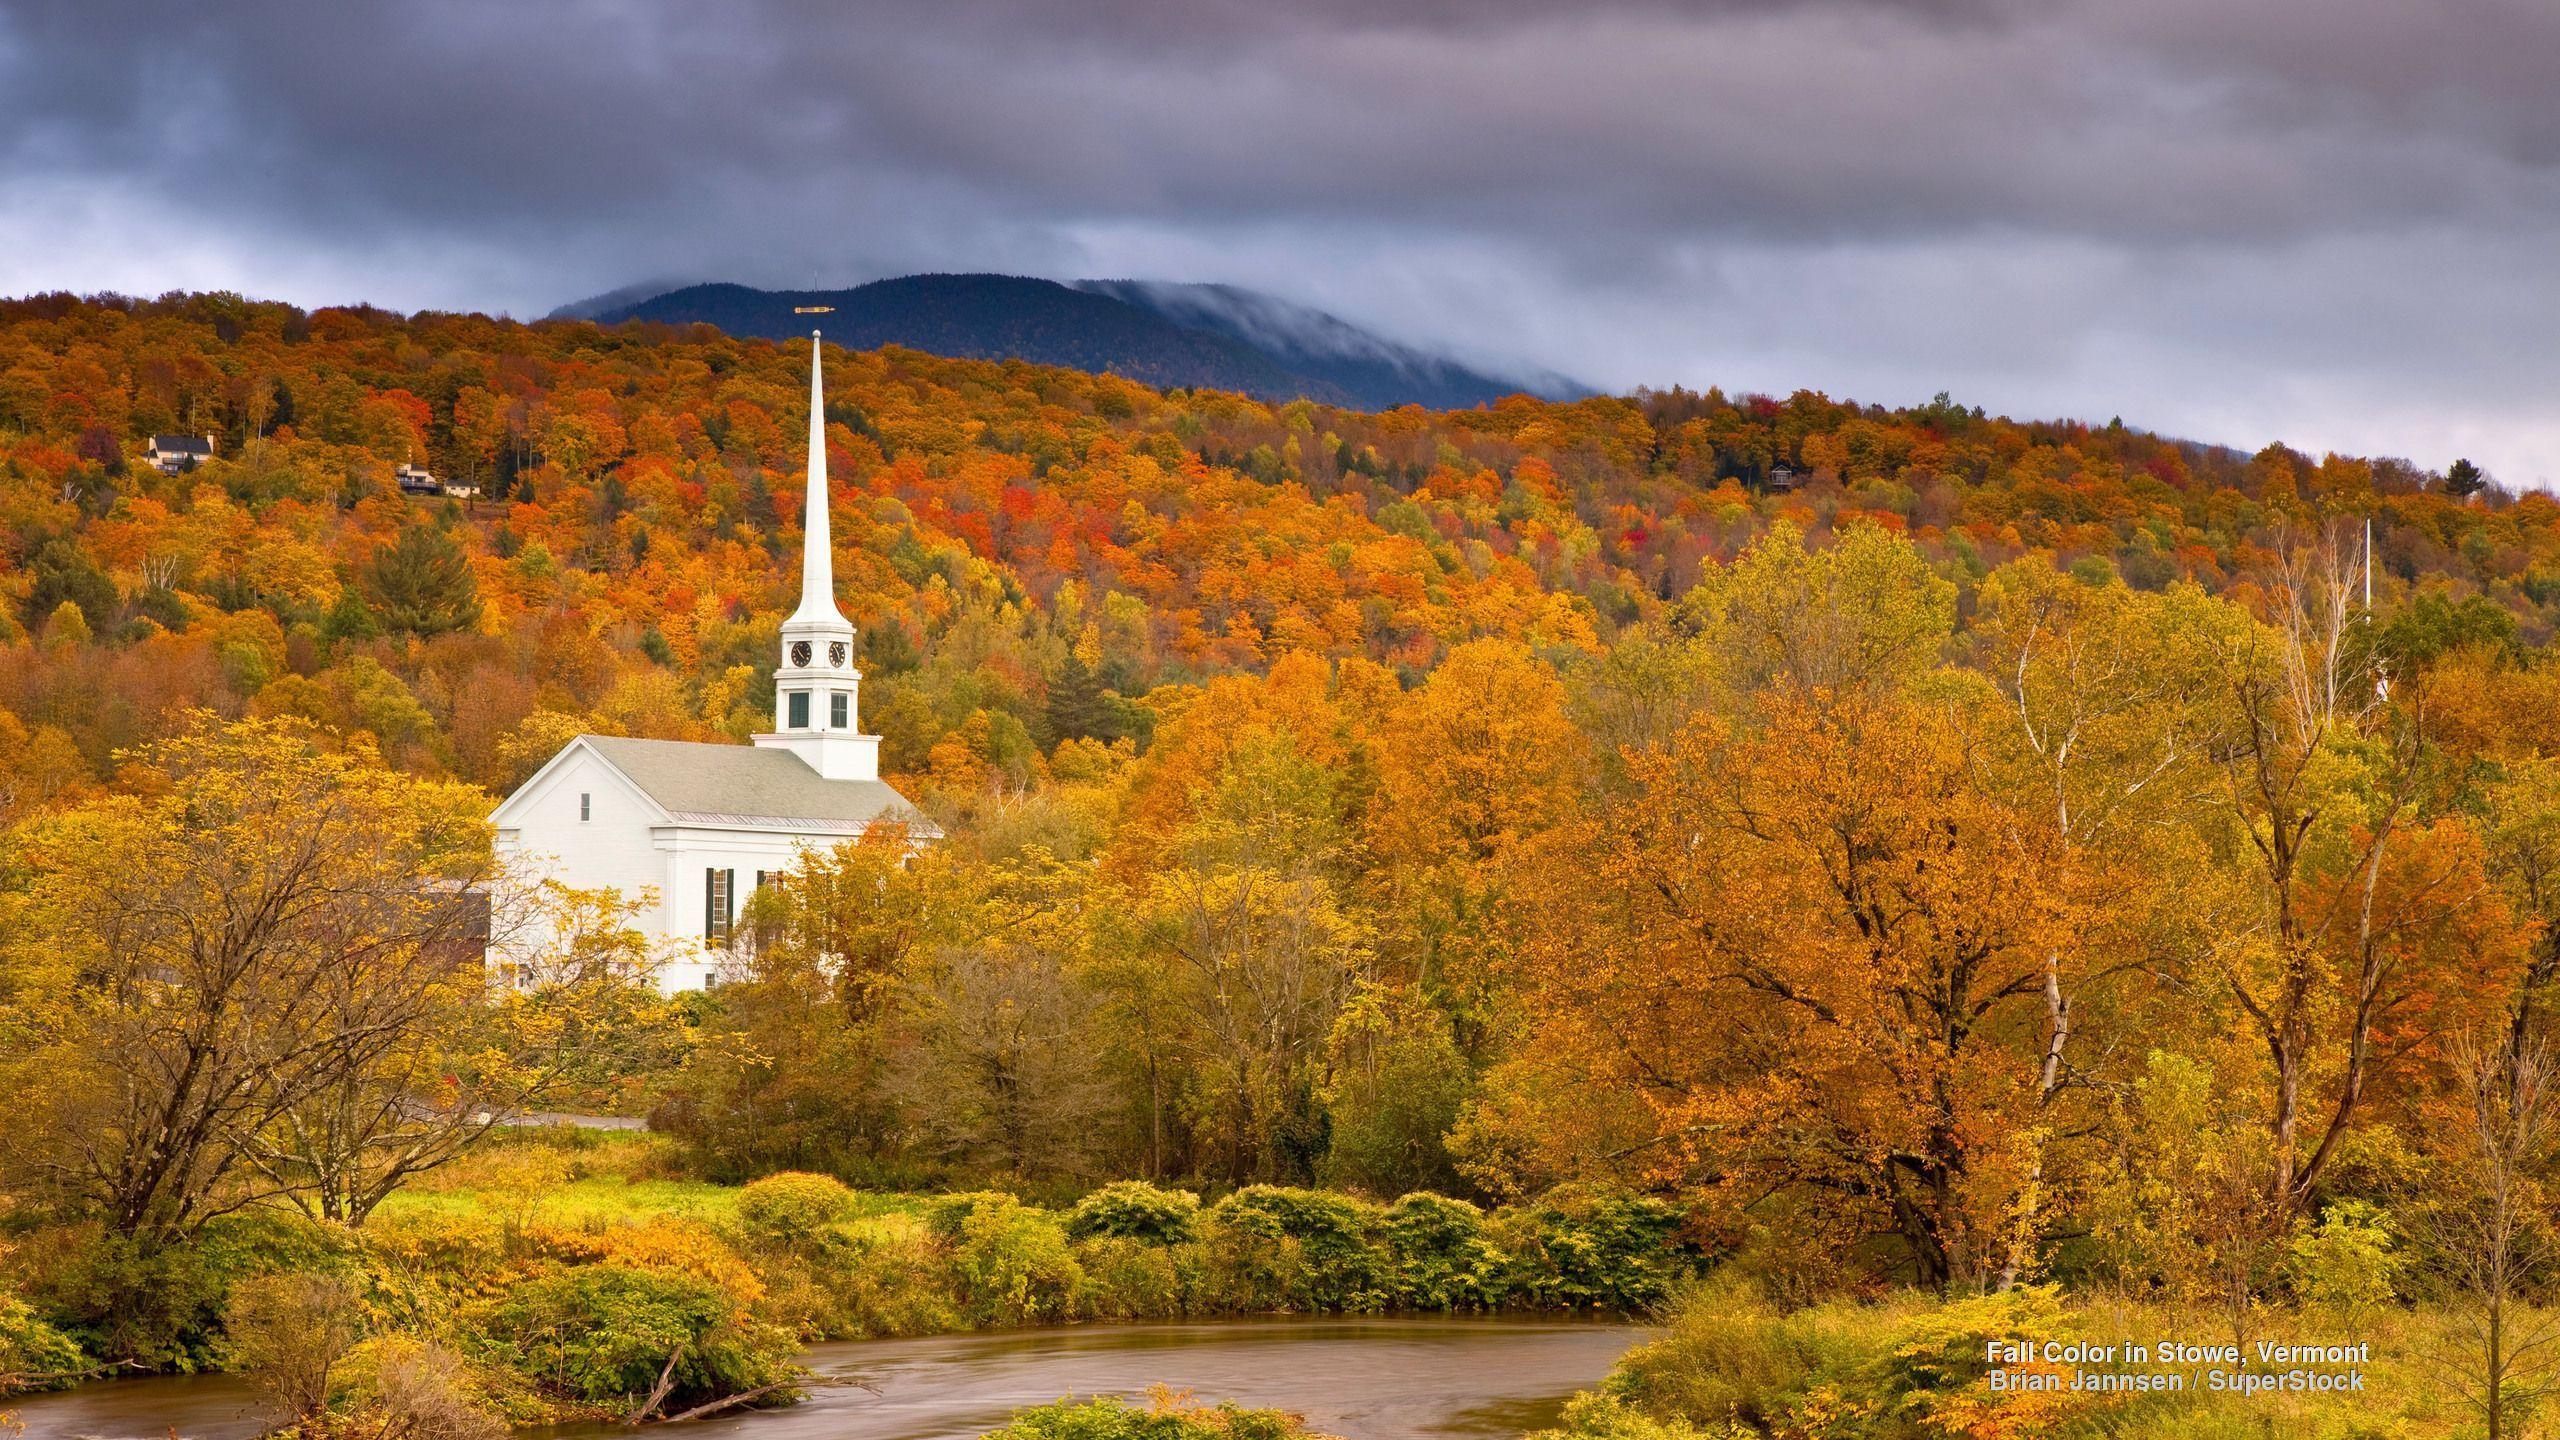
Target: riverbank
[
  {"x": 1362, "y": 1378},
  {"x": 2039, "y": 1362},
  {"x": 561, "y": 1279}
]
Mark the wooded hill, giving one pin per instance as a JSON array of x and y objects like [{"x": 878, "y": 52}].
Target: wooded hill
[
  {"x": 1212, "y": 336},
  {"x": 1028, "y": 551}
]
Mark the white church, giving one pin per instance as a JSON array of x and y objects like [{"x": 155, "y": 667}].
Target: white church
[{"x": 696, "y": 828}]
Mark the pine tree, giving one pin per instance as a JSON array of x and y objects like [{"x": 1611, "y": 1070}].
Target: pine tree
[
  {"x": 1078, "y": 708},
  {"x": 422, "y": 584}
]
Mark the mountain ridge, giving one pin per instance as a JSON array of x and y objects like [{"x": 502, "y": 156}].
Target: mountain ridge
[{"x": 1159, "y": 333}]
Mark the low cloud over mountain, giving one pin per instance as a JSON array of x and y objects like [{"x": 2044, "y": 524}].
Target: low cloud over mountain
[{"x": 1217, "y": 336}]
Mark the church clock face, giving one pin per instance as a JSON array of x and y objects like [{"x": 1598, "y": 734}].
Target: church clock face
[
  {"x": 835, "y": 654},
  {"x": 799, "y": 652}
]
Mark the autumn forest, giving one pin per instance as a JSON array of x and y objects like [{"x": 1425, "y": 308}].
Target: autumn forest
[{"x": 1876, "y": 873}]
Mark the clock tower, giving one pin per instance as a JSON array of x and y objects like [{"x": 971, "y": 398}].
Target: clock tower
[{"x": 816, "y": 689}]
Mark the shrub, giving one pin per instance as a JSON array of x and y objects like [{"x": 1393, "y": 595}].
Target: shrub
[
  {"x": 33, "y": 1354},
  {"x": 1929, "y": 1366},
  {"x": 1136, "y": 1279},
  {"x": 948, "y": 1215},
  {"x": 1441, "y": 1259},
  {"x": 1167, "y": 1416},
  {"x": 793, "y": 1208},
  {"x": 413, "y": 1389},
  {"x": 1908, "y": 1369},
  {"x": 2351, "y": 1262},
  {"x": 289, "y": 1334},
  {"x": 1135, "y": 1210},
  {"x": 1249, "y": 1268},
  {"x": 274, "y": 1242},
  {"x": 659, "y": 1243},
  {"x": 1339, "y": 1265},
  {"x": 1599, "y": 1416},
  {"x": 892, "y": 1279},
  {"x": 604, "y": 1333},
  {"x": 1013, "y": 1265},
  {"x": 158, "y": 1309},
  {"x": 1730, "y": 1358},
  {"x": 429, "y": 1264},
  {"x": 1579, "y": 1246}
]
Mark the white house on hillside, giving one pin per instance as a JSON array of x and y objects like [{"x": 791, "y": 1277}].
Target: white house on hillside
[
  {"x": 172, "y": 454},
  {"x": 697, "y": 826}
]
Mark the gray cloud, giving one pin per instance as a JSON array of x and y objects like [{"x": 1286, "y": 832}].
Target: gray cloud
[{"x": 2326, "y": 221}]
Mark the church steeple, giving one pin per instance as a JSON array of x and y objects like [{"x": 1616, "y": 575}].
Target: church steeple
[
  {"x": 816, "y": 688},
  {"x": 817, "y": 545}
]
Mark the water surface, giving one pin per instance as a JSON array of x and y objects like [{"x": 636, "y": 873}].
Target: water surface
[{"x": 1364, "y": 1379}]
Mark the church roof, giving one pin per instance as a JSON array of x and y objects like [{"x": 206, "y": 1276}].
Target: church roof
[{"x": 742, "y": 785}]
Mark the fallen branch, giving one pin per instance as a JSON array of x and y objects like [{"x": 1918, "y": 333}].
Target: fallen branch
[
  {"x": 658, "y": 1396},
  {"x": 701, "y": 1412}
]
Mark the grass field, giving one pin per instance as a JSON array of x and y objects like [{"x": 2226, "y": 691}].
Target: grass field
[{"x": 577, "y": 1177}]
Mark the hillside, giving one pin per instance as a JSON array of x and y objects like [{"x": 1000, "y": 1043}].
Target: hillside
[
  {"x": 1375, "y": 373},
  {"x": 996, "y": 522},
  {"x": 1216, "y": 337},
  {"x": 1877, "y": 848}
]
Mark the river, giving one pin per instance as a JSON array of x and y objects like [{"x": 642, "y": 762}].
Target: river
[{"x": 1364, "y": 1379}]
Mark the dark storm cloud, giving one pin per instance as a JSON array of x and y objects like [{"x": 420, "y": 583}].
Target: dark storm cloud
[{"x": 2321, "y": 220}]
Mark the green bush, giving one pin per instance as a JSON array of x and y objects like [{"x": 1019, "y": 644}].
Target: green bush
[
  {"x": 1248, "y": 1270},
  {"x": 154, "y": 1310},
  {"x": 1137, "y": 1279},
  {"x": 1135, "y": 1210},
  {"x": 33, "y": 1354},
  {"x": 1936, "y": 1355},
  {"x": 1338, "y": 1262},
  {"x": 1600, "y": 1416},
  {"x": 1905, "y": 1369},
  {"x": 891, "y": 1279},
  {"x": 1163, "y": 1420},
  {"x": 602, "y": 1333},
  {"x": 793, "y": 1208},
  {"x": 1581, "y": 1246},
  {"x": 1442, "y": 1260},
  {"x": 1012, "y": 1264},
  {"x": 2351, "y": 1262},
  {"x": 948, "y": 1215},
  {"x": 1729, "y": 1357}
]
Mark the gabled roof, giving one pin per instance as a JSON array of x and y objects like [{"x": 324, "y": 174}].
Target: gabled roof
[
  {"x": 182, "y": 444},
  {"x": 700, "y": 784}
]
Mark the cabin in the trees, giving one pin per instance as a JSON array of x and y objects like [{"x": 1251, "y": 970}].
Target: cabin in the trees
[
  {"x": 415, "y": 480},
  {"x": 696, "y": 828},
  {"x": 175, "y": 454}
]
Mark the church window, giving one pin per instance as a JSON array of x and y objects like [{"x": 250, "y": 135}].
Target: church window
[
  {"x": 840, "y": 710},
  {"x": 719, "y": 904},
  {"x": 799, "y": 709},
  {"x": 586, "y": 806}
]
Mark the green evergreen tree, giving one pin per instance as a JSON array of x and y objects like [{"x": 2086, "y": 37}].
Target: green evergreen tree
[
  {"x": 2464, "y": 479},
  {"x": 422, "y": 584},
  {"x": 350, "y": 618},
  {"x": 63, "y": 572},
  {"x": 1078, "y": 707}
]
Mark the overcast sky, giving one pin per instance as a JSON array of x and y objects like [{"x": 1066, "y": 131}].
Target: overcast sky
[{"x": 2330, "y": 222}]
